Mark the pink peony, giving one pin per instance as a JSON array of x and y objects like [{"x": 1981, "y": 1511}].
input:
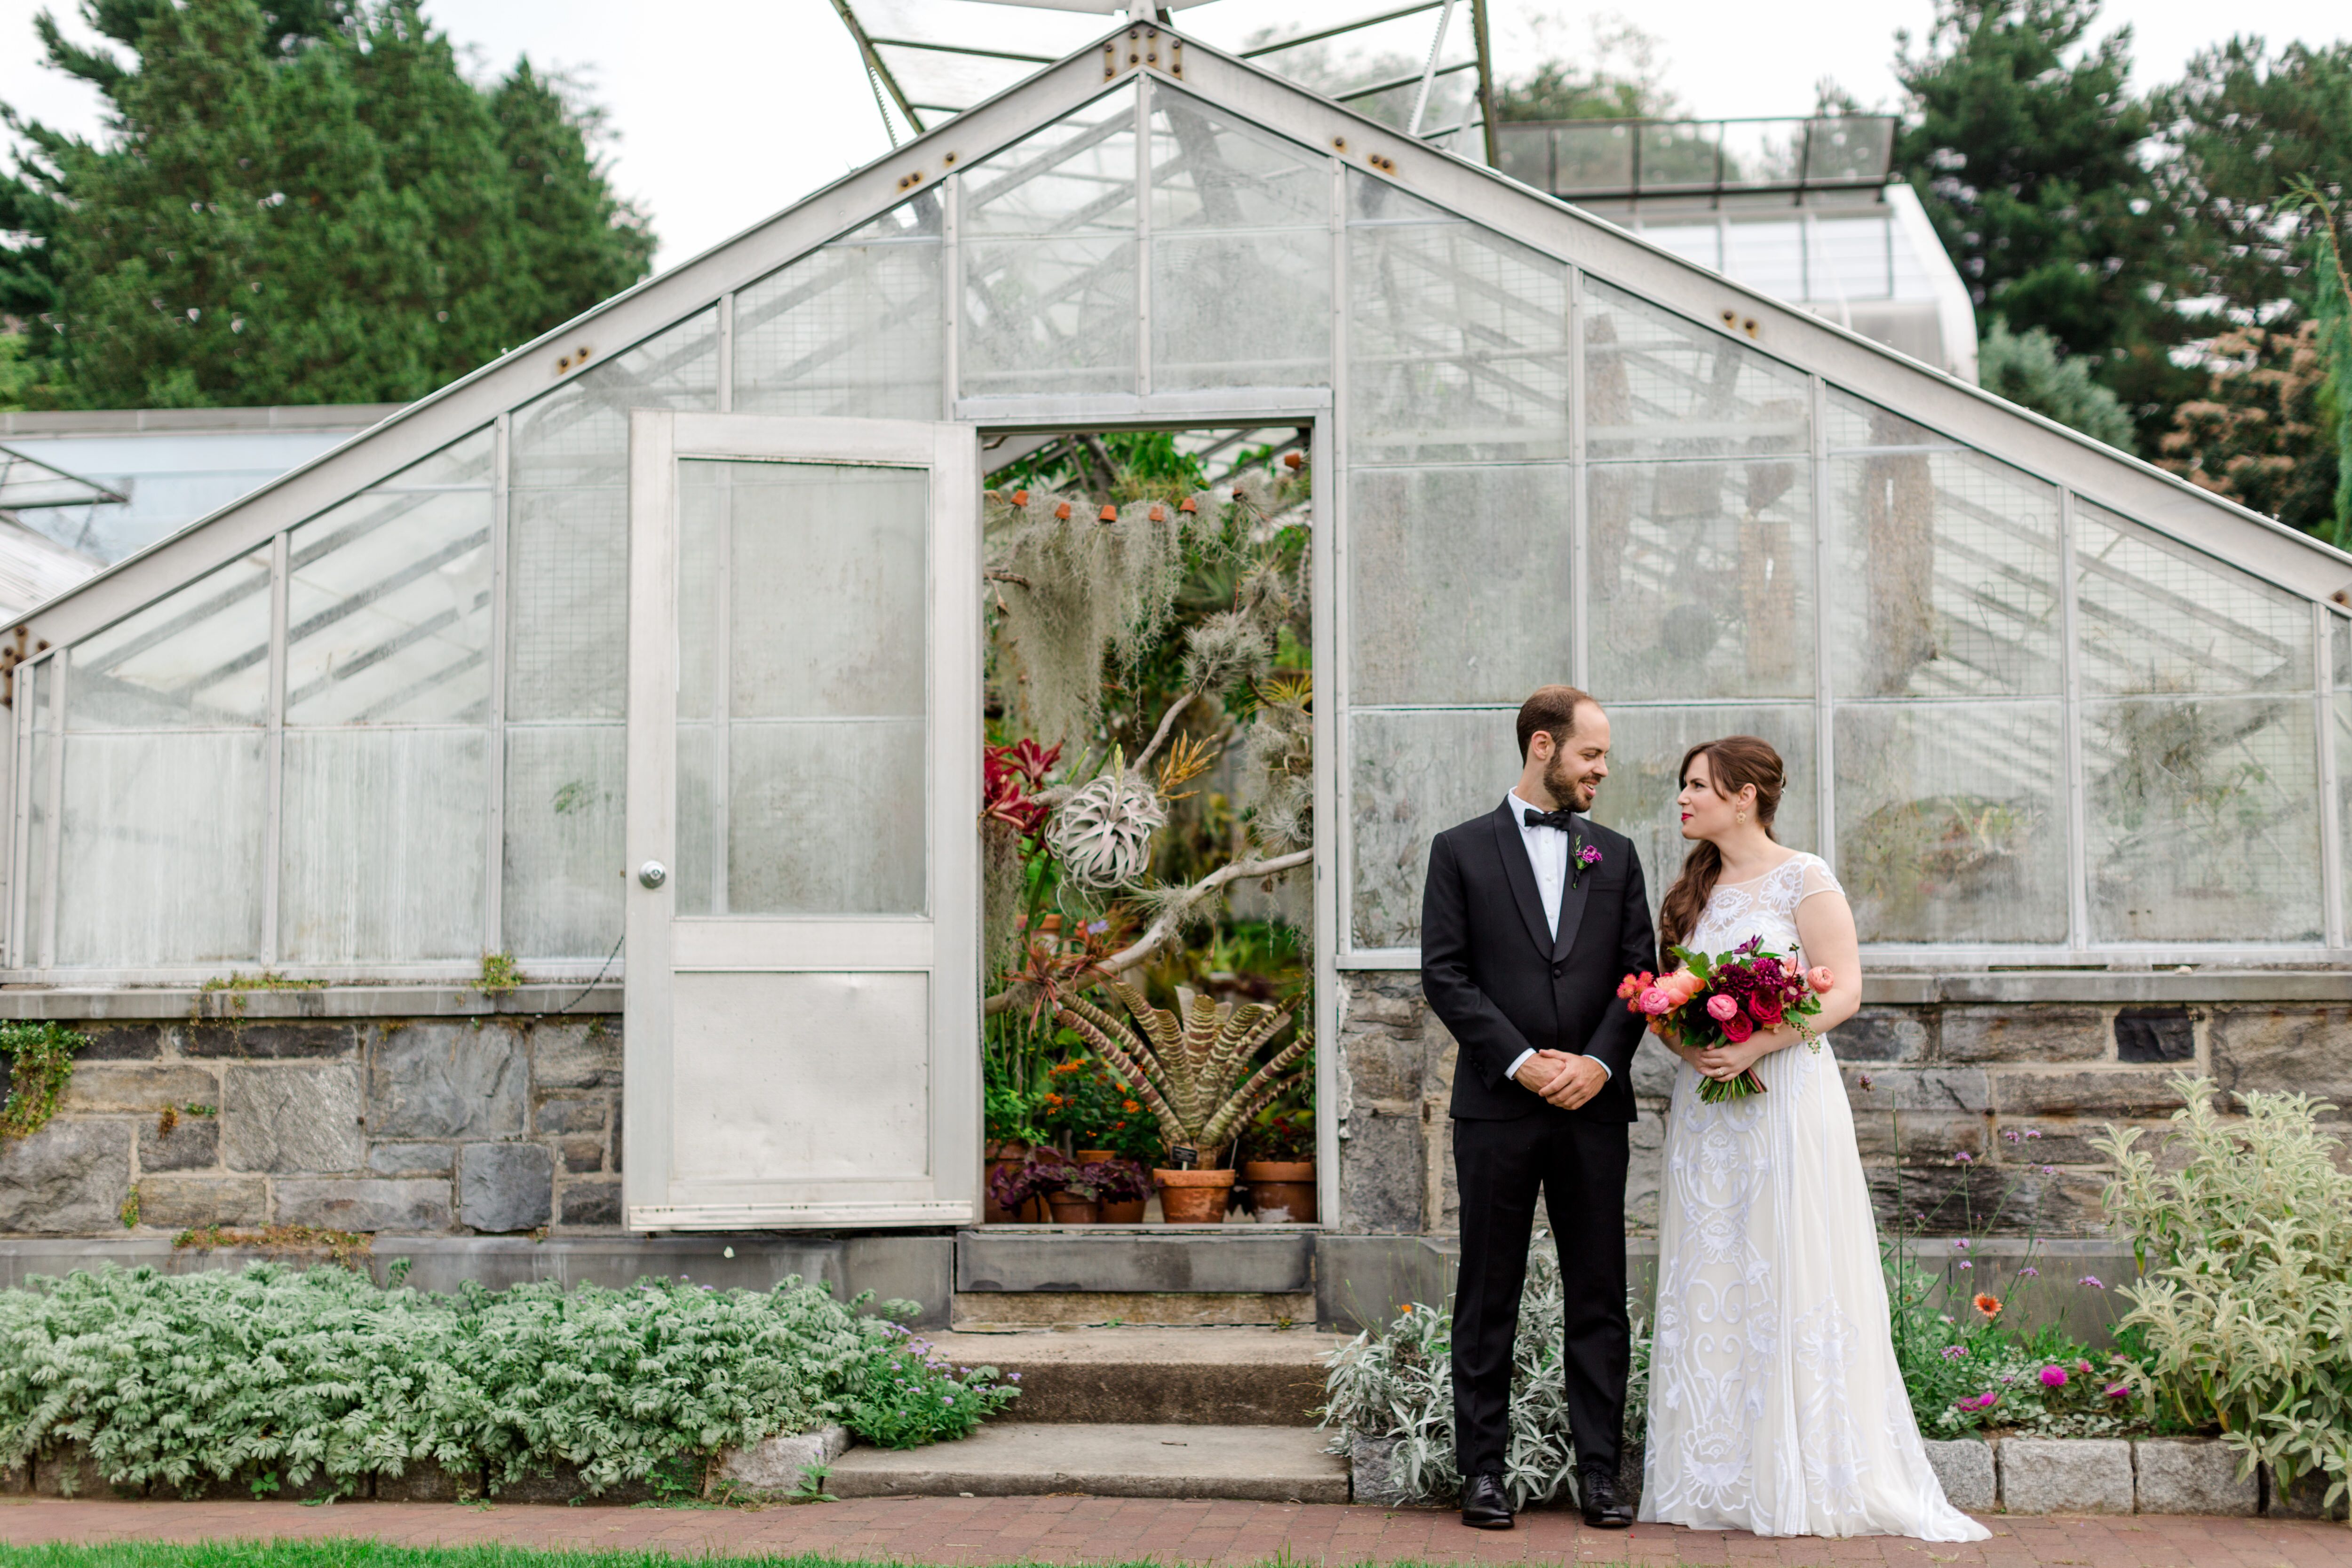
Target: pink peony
[
  {"x": 1736, "y": 1028},
  {"x": 1721, "y": 1008},
  {"x": 1656, "y": 1002},
  {"x": 1819, "y": 978}
]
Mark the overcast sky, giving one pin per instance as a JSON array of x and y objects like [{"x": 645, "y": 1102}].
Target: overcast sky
[{"x": 726, "y": 110}]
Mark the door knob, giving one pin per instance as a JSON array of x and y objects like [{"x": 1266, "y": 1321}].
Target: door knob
[{"x": 653, "y": 873}]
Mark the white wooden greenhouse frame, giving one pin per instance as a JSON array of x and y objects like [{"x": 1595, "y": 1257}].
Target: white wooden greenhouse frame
[{"x": 298, "y": 737}]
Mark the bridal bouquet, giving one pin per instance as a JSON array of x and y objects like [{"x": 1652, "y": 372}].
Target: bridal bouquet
[{"x": 1725, "y": 999}]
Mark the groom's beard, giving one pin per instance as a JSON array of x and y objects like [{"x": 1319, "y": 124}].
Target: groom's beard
[{"x": 1573, "y": 791}]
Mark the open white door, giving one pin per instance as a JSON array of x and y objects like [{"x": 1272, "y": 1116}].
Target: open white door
[{"x": 801, "y": 1025}]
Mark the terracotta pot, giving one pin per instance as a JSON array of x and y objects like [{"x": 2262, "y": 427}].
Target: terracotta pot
[
  {"x": 1282, "y": 1184},
  {"x": 1068, "y": 1210},
  {"x": 1003, "y": 1156},
  {"x": 1194, "y": 1197}
]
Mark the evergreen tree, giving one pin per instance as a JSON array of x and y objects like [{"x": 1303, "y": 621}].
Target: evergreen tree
[
  {"x": 2026, "y": 147},
  {"x": 2260, "y": 434},
  {"x": 303, "y": 203},
  {"x": 2027, "y": 369}
]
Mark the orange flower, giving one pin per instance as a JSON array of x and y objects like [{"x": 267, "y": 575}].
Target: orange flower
[
  {"x": 1129, "y": 1107},
  {"x": 1988, "y": 1305}
]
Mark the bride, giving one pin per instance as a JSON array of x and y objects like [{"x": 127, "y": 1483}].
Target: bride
[{"x": 1775, "y": 1403}]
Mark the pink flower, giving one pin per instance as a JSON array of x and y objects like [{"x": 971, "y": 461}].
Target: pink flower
[
  {"x": 2054, "y": 1376},
  {"x": 1632, "y": 985},
  {"x": 1590, "y": 854},
  {"x": 2092, "y": 1280},
  {"x": 1682, "y": 985},
  {"x": 1736, "y": 1028},
  {"x": 1765, "y": 1007},
  {"x": 1656, "y": 1002},
  {"x": 1821, "y": 979},
  {"x": 2119, "y": 1391},
  {"x": 1978, "y": 1402},
  {"x": 1721, "y": 1007}
]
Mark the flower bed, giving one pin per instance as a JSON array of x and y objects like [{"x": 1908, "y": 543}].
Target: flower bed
[{"x": 271, "y": 1377}]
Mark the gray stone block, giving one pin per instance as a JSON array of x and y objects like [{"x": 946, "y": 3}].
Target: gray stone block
[
  {"x": 278, "y": 1040},
  {"x": 572, "y": 1115},
  {"x": 591, "y": 1203},
  {"x": 2303, "y": 1499},
  {"x": 775, "y": 1466},
  {"x": 1380, "y": 1171},
  {"x": 1964, "y": 1467},
  {"x": 292, "y": 1119},
  {"x": 365, "y": 1202},
  {"x": 449, "y": 1081},
  {"x": 424, "y": 1481},
  {"x": 142, "y": 1086},
  {"x": 1375, "y": 1477},
  {"x": 192, "y": 1203},
  {"x": 2028, "y": 1034},
  {"x": 2074, "y": 1474},
  {"x": 2304, "y": 1050},
  {"x": 577, "y": 1056},
  {"x": 191, "y": 1145},
  {"x": 121, "y": 1042},
  {"x": 582, "y": 1156},
  {"x": 505, "y": 1186},
  {"x": 2193, "y": 1475},
  {"x": 2156, "y": 1035},
  {"x": 69, "y": 1177},
  {"x": 1947, "y": 1091},
  {"x": 1654, "y": 1067},
  {"x": 1883, "y": 1035},
  {"x": 392, "y": 1159},
  {"x": 2120, "y": 1091}
]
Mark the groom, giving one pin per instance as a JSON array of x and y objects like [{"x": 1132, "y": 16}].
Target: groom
[{"x": 1531, "y": 915}]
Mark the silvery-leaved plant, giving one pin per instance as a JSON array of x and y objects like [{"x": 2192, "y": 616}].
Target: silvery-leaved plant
[{"x": 2245, "y": 1290}]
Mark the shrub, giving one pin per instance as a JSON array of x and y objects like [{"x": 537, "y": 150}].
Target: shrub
[
  {"x": 2245, "y": 1292},
  {"x": 1399, "y": 1383},
  {"x": 40, "y": 1065},
  {"x": 181, "y": 1380}
]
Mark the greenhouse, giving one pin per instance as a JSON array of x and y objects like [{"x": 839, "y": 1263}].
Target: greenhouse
[{"x": 661, "y": 650}]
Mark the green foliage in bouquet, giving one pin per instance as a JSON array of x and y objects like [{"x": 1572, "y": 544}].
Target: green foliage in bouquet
[
  {"x": 2245, "y": 1293},
  {"x": 175, "y": 1381}
]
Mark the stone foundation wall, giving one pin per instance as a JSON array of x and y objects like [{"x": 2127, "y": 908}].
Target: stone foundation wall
[
  {"x": 422, "y": 1125},
  {"x": 2018, "y": 1087}
]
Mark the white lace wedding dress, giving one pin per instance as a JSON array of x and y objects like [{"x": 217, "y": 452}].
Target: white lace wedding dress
[{"x": 1775, "y": 1403}]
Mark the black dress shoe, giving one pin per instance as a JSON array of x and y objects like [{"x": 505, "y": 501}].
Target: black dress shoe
[
  {"x": 1485, "y": 1504},
  {"x": 1603, "y": 1509}
]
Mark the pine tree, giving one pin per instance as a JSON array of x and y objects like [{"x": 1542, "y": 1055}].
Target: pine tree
[
  {"x": 2026, "y": 145},
  {"x": 2027, "y": 369},
  {"x": 299, "y": 203}
]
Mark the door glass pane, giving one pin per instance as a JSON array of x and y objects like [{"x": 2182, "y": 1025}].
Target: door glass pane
[{"x": 803, "y": 620}]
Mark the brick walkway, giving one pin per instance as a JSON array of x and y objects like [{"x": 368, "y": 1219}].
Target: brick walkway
[{"x": 1118, "y": 1529}]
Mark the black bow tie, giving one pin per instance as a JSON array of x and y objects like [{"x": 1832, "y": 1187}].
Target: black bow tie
[{"x": 1563, "y": 820}]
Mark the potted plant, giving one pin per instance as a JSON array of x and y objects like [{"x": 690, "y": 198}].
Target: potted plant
[
  {"x": 1010, "y": 1118},
  {"x": 1032, "y": 1184},
  {"x": 1193, "y": 1069},
  {"x": 1120, "y": 1185},
  {"x": 1280, "y": 1166}
]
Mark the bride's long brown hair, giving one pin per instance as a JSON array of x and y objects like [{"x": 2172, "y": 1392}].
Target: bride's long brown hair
[{"x": 1732, "y": 764}]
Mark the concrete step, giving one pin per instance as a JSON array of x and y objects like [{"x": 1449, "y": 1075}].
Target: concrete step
[
  {"x": 991, "y": 1310},
  {"x": 1249, "y": 1464},
  {"x": 1204, "y": 1376}
]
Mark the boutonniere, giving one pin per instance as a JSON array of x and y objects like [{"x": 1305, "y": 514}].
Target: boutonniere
[{"x": 1580, "y": 855}]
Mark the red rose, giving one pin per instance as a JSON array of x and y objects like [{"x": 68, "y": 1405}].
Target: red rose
[
  {"x": 1737, "y": 1027},
  {"x": 1765, "y": 1005}
]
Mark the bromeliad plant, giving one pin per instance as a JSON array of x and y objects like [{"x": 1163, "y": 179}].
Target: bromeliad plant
[
  {"x": 2245, "y": 1292},
  {"x": 1191, "y": 1067}
]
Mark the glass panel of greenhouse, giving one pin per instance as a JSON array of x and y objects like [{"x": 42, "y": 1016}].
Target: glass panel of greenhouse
[{"x": 383, "y": 733}]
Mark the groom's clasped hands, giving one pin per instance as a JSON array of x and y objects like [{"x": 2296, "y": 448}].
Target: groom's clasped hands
[{"x": 1565, "y": 1079}]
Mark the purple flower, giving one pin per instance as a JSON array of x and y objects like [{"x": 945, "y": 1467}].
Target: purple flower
[
  {"x": 1984, "y": 1401},
  {"x": 1962, "y": 1245},
  {"x": 1965, "y": 1264},
  {"x": 2092, "y": 1280},
  {"x": 1865, "y": 1080},
  {"x": 1013, "y": 1375},
  {"x": 2033, "y": 1132},
  {"x": 2028, "y": 1272},
  {"x": 1096, "y": 928},
  {"x": 1955, "y": 1352},
  {"x": 1590, "y": 854},
  {"x": 2049, "y": 1170},
  {"x": 2009, "y": 1134},
  {"x": 2119, "y": 1391},
  {"x": 2054, "y": 1376},
  {"x": 1964, "y": 1158}
]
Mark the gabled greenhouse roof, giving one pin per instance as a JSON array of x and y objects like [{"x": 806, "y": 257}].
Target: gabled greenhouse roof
[{"x": 1943, "y": 403}]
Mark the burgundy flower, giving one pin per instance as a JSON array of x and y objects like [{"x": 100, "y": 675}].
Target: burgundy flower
[
  {"x": 1736, "y": 1028},
  {"x": 1764, "y": 1006}
]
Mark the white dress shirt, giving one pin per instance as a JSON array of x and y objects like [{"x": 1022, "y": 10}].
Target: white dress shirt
[{"x": 1548, "y": 853}]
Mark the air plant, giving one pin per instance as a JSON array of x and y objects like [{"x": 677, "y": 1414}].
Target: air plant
[
  {"x": 1102, "y": 833},
  {"x": 1191, "y": 1067}
]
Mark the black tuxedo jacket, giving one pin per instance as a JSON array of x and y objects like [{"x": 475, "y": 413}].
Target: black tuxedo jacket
[{"x": 1503, "y": 984}]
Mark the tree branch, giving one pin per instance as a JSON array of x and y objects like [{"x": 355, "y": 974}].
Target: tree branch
[
  {"x": 1163, "y": 930},
  {"x": 1167, "y": 722}
]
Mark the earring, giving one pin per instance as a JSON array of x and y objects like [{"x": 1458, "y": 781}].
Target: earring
[{"x": 1739, "y": 816}]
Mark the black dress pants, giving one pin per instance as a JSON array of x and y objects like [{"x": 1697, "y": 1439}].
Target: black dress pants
[{"x": 1581, "y": 1168}]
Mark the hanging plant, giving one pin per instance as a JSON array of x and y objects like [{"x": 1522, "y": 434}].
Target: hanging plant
[
  {"x": 1102, "y": 833},
  {"x": 40, "y": 1060}
]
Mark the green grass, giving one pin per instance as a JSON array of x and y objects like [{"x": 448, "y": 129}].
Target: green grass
[{"x": 377, "y": 1554}]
